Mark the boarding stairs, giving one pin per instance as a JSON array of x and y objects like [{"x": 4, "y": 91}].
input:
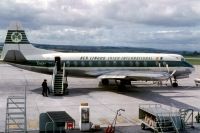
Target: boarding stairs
[
  {"x": 16, "y": 114},
  {"x": 59, "y": 81},
  {"x": 165, "y": 124}
]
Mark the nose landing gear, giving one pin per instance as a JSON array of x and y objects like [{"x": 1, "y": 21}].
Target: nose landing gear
[{"x": 175, "y": 84}]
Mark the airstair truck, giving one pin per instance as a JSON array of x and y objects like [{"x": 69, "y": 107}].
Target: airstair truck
[{"x": 159, "y": 119}]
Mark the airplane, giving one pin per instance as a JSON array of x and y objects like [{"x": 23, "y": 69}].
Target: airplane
[{"x": 121, "y": 67}]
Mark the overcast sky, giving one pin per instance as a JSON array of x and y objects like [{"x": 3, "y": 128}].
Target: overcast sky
[{"x": 162, "y": 24}]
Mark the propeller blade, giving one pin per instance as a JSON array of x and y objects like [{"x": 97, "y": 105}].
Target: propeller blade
[
  {"x": 172, "y": 73},
  {"x": 167, "y": 67},
  {"x": 170, "y": 81}
]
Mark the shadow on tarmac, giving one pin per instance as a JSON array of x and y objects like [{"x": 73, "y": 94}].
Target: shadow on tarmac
[{"x": 145, "y": 93}]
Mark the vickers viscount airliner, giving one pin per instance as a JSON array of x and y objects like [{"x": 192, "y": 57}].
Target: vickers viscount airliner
[{"x": 123, "y": 67}]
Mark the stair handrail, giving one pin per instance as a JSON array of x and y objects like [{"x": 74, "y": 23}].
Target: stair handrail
[
  {"x": 191, "y": 116},
  {"x": 53, "y": 76},
  {"x": 159, "y": 120},
  {"x": 188, "y": 113},
  {"x": 63, "y": 77},
  {"x": 170, "y": 114}
]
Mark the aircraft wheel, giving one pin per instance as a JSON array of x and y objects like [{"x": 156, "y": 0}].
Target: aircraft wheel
[
  {"x": 125, "y": 82},
  {"x": 128, "y": 82},
  {"x": 143, "y": 126},
  {"x": 105, "y": 82},
  {"x": 121, "y": 88},
  {"x": 175, "y": 84}
]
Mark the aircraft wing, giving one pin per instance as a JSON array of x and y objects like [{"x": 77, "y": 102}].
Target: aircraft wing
[{"x": 136, "y": 75}]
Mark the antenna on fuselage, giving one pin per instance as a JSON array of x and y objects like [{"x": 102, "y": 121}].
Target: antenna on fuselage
[{"x": 15, "y": 25}]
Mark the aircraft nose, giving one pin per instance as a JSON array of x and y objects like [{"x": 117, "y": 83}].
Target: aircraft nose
[{"x": 191, "y": 69}]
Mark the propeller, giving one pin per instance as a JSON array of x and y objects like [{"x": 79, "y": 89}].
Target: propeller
[{"x": 171, "y": 75}]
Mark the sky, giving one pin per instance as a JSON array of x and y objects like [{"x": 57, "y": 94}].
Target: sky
[{"x": 161, "y": 24}]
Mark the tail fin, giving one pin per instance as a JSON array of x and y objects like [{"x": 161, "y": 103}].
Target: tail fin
[
  {"x": 15, "y": 38},
  {"x": 17, "y": 48}
]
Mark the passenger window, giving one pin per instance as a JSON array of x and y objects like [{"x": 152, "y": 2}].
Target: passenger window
[
  {"x": 130, "y": 63},
  {"x": 67, "y": 63},
  {"x": 107, "y": 63},
  {"x": 137, "y": 63},
  {"x": 122, "y": 63},
  {"x": 145, "y": 63},
  {"x": 90, "y": 63},
  {"x": 75, "y": 63},
  {"x": 99, "y": 63},
  {"x": 114, "y": 63},
  {"x": 164, "y": 63},
  {"x": 82, "y": 63}
]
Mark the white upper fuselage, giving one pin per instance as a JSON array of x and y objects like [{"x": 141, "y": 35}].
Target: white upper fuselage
[{"x": 107, "y": 56}]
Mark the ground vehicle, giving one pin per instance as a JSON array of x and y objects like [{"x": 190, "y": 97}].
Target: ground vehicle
[
  {"x": 158, "y": 118},
  {"x": 197, "y": 81}
]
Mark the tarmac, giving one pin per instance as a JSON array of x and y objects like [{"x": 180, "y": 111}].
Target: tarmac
[{"x": 103, "y": 101}]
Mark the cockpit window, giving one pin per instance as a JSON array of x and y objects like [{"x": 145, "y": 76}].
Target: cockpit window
[{"x": 182, "y": 59}]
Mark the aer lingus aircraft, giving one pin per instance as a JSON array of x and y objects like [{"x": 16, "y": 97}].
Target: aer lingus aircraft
[{"x": 122, "y": 67}]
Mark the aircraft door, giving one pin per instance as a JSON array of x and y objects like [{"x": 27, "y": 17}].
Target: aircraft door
[{"x": 58, "y": 63}]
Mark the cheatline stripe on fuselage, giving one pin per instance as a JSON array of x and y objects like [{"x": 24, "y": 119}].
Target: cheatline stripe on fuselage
[{"x": 81, "y": 63}]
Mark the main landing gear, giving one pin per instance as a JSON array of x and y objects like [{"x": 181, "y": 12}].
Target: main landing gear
[
  {"x": 175, "y": 84},
  {"x": 121, "y": 84},
  {"x": 105, "y": 82}
]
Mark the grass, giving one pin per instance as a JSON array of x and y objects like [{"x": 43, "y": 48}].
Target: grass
[{"x": 193, "y": 60}]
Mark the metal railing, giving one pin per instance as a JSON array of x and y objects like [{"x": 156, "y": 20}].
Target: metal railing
[
  {"x": 53, "y": 76},
  {"x": 143, "y": 106},
  {"x": 160, "y": 121},
  {"x": 63, "y": 77},
  {"x": 16, "y": 105},
  {"x": 172, "y": 115},
  {"x": 50, "y": 123},
  {"x": 162, "y": 117},
  {"x": 187, "y": 116}
]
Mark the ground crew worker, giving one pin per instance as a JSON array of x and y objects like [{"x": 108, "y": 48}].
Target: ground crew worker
[{"x": 45, "y": 88}]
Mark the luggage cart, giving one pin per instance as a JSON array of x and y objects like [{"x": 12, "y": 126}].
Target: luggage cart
[{"x": 159, "y": 119}]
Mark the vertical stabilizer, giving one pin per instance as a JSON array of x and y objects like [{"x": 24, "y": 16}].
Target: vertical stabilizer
[
  {"x": 14, "y": 39},
  {"x": 17, "y": 48}
]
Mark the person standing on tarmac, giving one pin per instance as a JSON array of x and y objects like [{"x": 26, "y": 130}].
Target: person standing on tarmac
[{"x": 45, "y": 88}]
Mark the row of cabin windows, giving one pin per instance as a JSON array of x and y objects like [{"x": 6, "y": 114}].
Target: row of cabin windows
[{"x": 113, "y": 63}]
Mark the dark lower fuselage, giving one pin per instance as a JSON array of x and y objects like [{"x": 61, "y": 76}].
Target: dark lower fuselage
[{"x": 79, "y": 68}]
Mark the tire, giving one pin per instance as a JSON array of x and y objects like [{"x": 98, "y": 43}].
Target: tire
[
  {"x": 143, "y": 126},
  {"x": 175, "y": 84},
  {"x": 105, "y": 82}
]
